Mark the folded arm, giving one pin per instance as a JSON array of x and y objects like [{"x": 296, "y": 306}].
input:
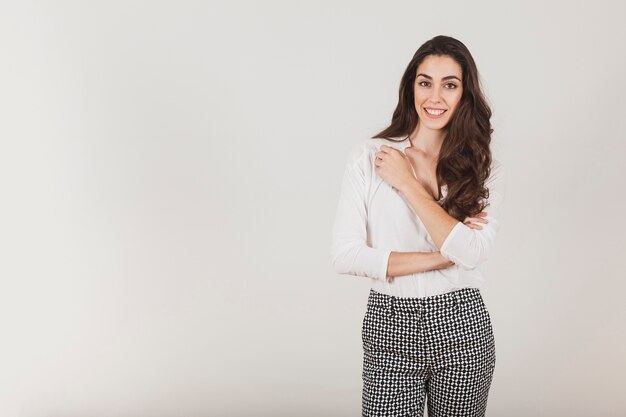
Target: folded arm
[
  {"x": 350, "y": 253},
  {"x": 456, "y": 241},
  {"x": 406, "y": 263}
]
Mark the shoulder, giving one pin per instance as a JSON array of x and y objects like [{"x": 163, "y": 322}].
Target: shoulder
[
  {"x": 497, "y": 176},
  {"x": 365, "y": 148},
  {"x": 399, "y": 143},
  {"x": 497, "y": 168},
  {"x": 362, "y": 150}
]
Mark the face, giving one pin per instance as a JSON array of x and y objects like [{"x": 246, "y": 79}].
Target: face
[{"x": 438, "y": 87}]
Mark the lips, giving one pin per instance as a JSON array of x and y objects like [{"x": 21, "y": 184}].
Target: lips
[{"x": 434, "y": 112}]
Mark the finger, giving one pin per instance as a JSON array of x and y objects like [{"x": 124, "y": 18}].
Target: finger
[
  {"x": 478, "y": 214},
  {"x": 474, "y": 226},
  {"x": 388, "y": 149},
  {"x": 473, "y": 220},
  {"x": 478, "y": 219},
  {"x": 469, "y": 224},
  {"x": 482, "y": 214}
]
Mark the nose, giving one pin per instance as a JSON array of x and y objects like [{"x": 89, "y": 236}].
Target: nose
[{"x": 435, "y": 98}]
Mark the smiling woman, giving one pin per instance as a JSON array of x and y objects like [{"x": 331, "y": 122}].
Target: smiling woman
[
  {"x": 434, "y": 102},
  {"x": 418, "y": 213}
]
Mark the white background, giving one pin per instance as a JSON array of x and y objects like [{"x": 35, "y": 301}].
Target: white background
[{"x": 169, "y": 173}]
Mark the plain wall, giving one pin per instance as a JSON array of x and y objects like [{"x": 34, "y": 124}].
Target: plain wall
[{"x": 170, "y": 172}]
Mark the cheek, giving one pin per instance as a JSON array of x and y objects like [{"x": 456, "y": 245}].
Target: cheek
[
  {"x": 420, "y": 98},
  {"x": 454, "y": 100}
]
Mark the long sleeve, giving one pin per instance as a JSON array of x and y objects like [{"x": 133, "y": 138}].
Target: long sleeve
[
  {"x": 349, "y": 252},
  {"x": 468, "y": 247}
]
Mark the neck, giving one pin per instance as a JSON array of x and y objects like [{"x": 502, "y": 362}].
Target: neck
[{"x": 427, "y": 140}]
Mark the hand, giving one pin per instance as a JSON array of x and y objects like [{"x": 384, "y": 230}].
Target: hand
[
  {"x": 443, "y": 262},
  {"x": 468, "y": 220},
  {"x": 424, "y": 168},
  {"x": 394, "y": 167}
]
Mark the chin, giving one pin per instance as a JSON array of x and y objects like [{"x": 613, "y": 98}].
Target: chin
[{"x": 434, "y": 124}]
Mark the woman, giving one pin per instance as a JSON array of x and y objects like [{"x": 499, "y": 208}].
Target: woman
[{"x": 418, "y": 213}]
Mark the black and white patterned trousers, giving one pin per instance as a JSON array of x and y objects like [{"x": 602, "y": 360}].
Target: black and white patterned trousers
[{"x": 439, "y": 348}]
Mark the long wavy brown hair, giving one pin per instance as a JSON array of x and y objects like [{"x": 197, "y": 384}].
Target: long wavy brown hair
[{"x": 464, "y": 161}]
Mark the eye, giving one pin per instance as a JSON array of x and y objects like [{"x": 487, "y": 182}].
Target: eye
[{"x": 452, "y": 86}]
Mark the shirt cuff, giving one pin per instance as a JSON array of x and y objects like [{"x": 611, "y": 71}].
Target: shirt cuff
[
  {"x": 385, "y": 265},
  {"x": 446, "y": 243}
]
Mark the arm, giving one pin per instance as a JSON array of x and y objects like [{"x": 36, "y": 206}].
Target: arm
[
  {"x": 350, "y": 253},
  {"x": 405, "y": 263},
  {"x": 457, "y": 242}
]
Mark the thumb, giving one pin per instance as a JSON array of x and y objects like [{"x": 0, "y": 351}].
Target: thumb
[{"x": 410, "y": 162}]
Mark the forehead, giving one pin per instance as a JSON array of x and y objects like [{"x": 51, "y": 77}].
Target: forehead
[{"x": 438, "y": 66}]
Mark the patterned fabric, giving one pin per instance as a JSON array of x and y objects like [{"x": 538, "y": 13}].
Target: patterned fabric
[{"x": 439, "y": 348}]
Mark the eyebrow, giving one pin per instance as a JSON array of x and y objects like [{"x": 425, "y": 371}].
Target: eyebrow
[{"x": 449, "y": 77}]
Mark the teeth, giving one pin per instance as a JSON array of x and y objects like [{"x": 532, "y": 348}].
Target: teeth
[{"x": 434, "y": 112}]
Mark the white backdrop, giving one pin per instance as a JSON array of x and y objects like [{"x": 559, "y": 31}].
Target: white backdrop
[{"x": 170, "y": 171}]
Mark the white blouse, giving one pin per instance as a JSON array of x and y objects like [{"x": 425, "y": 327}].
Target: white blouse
[{"x": 372, "y": 219}]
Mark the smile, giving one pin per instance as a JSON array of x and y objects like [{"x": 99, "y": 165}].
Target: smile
[{"x": 434, "y": 113}]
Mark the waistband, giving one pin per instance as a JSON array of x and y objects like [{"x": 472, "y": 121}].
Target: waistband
[{"x": 445, "y": 300}]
